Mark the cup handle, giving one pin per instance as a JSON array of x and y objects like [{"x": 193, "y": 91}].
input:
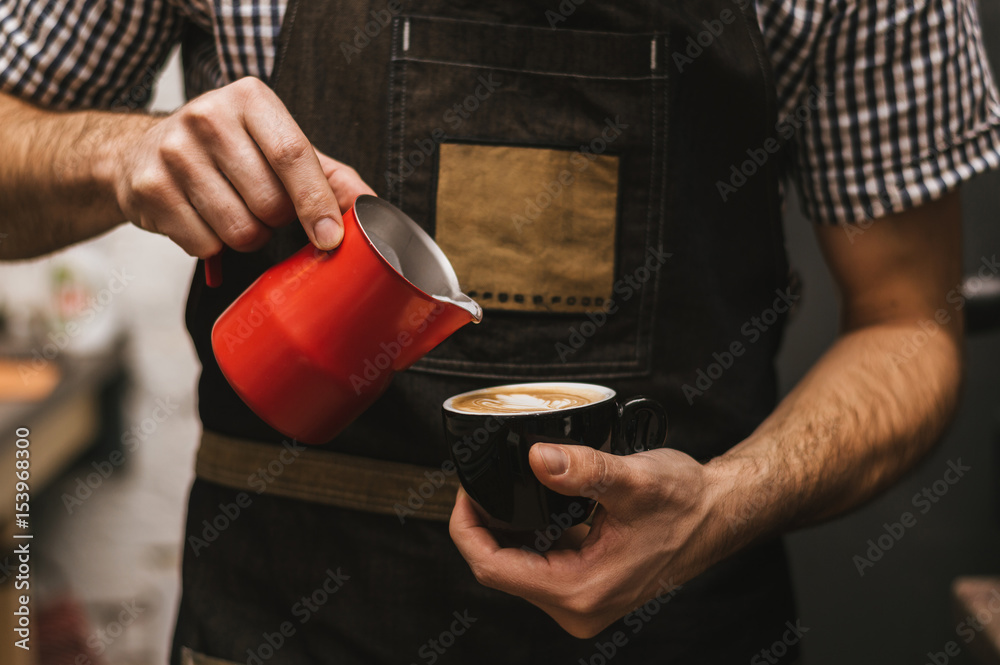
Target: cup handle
[{"x": 637, "y": 433}]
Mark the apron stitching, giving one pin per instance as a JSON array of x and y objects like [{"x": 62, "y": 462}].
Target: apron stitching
[
  {"x": 392, "y": 108},
  {"x": 627, "y": 373},
  {"x": 517, "y": 70},
  {"x": 624, "y": 36},
  {"x": 644, "y": 298},
  {"x": 777, "y": 234},
  {"x": 661, "y": 233},
  {"x": 402, "y": 135},
  {"x": 267, "y": 450},
  {"x": 596, "y": 363},
  {"x": 315, "y": 494},
  {"x": 220, "y": 469}
]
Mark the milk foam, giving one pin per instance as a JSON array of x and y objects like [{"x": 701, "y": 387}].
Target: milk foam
[
  {"x": 526, "y": 400},
  {"x": 516, "y": 402}
]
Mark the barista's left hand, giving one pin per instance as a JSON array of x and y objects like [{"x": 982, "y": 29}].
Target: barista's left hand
[{"x": 656, "y": 527}]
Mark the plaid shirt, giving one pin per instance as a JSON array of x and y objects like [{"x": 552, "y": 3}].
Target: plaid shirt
[{"x": 886, "y": 103}]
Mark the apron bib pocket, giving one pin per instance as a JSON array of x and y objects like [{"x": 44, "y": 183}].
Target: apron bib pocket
[{"x": 536, "y": 159}]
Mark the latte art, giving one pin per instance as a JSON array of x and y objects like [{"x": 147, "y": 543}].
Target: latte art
[{"x": 508, "y": 399}]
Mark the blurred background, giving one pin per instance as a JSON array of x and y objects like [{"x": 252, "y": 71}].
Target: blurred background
[
  {"x": 99, "y": 329},
  {"x": 109, "y": 525}
]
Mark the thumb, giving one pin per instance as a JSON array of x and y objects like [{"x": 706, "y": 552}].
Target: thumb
[
  {"x": 342, "y": 186},
  {"x": 581, "y": 471}
]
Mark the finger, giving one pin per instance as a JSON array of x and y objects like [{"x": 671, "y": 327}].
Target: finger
[
  {"x": 562, "y": 583},
  {"x": 294, "y": 161},
  {"x": 182, "y": 224},
  {"x": 584, "y": 471},
  {"x": 565, "y": 584},
  {"x": 468, "y": 530},
  {"x": 222, "y": 208},
  {"x": 258, "y": 185},
  {"x": 346, "y": 183},
  {"x": 538, "y": 577}
]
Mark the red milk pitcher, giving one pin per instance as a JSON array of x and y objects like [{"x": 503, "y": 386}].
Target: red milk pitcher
[{"x": 318, "y": 337}]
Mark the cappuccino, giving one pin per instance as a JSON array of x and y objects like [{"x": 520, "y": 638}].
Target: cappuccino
[{"x": 528, "y": 398}]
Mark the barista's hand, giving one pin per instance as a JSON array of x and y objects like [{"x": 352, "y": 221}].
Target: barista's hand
[
  {"x": 225, "y": 169},
  {"x": 656, "y": 527}
]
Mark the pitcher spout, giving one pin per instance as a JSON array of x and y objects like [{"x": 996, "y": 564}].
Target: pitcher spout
[{"x": 465, "y": 302}]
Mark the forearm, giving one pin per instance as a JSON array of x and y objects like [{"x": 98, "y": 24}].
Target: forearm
[
  {"x": 864, "y": 415},
  {"x": 56, "y": 177}
]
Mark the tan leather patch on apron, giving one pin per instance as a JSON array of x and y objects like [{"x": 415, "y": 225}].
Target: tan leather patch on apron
[{"x": 529, "y": 229}]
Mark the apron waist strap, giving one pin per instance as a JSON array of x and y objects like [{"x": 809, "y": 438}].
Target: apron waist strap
[{"x": 296, "y": 471}]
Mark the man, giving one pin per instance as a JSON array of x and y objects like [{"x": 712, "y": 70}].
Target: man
[{"x": 668, "y": 113}]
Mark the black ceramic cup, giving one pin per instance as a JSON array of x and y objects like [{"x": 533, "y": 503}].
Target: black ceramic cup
[{"x": 490, "y": 431}]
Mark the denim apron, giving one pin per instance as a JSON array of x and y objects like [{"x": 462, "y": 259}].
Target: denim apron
[{"x": 603, "y": 177}]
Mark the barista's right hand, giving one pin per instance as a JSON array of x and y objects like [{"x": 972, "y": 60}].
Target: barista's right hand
[{"x": 228, "y": 167}]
